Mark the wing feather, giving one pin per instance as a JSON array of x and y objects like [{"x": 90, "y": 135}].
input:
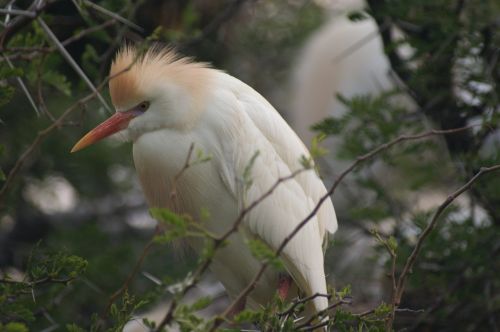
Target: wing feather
[{"x": 256, "y": 126}]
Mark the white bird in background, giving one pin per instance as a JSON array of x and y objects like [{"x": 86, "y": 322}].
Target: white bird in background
[
  {"x": 347, "y": 58},
  {"x": 164, "y": 105}
]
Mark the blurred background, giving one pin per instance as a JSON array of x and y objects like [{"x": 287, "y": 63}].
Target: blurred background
[{"x": 347, "y": 75}]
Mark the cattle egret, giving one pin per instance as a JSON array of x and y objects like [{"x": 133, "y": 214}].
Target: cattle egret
[{"x": 164, "y": 104}]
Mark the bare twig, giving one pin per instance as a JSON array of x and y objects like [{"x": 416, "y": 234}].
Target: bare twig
[
  {"x": 392, "y": 253},
  {"x": 113, "y": 15},
  {"x": 187, "y": 164},
  {"x": 72, "y": 62},
  {"x": 403, "y": 277},
  {"x": 18, "y": 12},
  {"x": 24, "y": 88},
  {"x": 37, "y": 282},
  {"x": 218, "y": 243},
  {"x": 130, "y": 277},
  {"x": 323, "y": 312},
  {"x": 19, "y": 22},
  {"x": 349, "y": 169},
  {"x": 231, "y": 9},
  {"x": 45, "y": 132},
  {"x": 301, "y": 301},
  {"x": 35, "y": 51}
]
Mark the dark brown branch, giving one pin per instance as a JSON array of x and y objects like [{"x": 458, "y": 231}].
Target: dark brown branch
[
  {"x": 322, "y": 313},
  {"x": 301, "y": 301}
]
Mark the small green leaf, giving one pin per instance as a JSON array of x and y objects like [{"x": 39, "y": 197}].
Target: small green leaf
[
  {"x": 201, "y": 303},
  {"x": 14, "y": 327},
  {"x": 392, "y": 243},
  {"x": 6, "y": 94},
  {"x": 263, "y": 252},
  {"x": 166, "y": 216},
  {"x": 74, "y": 328},
  {"x": 247, "y": 173},
  {"x": 58, "y": 81},
  {"x": 316, "y": 149}
]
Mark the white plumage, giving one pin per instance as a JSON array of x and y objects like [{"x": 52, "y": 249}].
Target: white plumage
[{"x": 189, "y": 103}]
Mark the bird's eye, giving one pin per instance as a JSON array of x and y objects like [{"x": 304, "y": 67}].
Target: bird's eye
[{"x": 144, "y": 106}]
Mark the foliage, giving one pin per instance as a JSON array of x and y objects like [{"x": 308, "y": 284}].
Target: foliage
[{"x": 62, "y": 282}]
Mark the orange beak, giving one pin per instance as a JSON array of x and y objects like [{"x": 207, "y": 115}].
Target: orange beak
[{"x": 115, "y": 123}]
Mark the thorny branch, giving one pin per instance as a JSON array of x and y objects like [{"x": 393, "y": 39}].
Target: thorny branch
[
  {"x": 403, "y": 277},
  {"x": 42, "y": 134},
  {"x": 42, "y": 281},
  {"x": 19, "y": 22},
  {"x": 130, "y": 277},
  {"x": 330, "y": 192},
  {"x": 217, "y": 244},
  {"x": 33, "y": 52},
  {"x": 401, "y": 281},
  {"x": 303, "y": 300},
  {"x": 219, "y": 241}
]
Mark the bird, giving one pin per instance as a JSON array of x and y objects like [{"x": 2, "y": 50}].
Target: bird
[{"x": 166, "y": 104}]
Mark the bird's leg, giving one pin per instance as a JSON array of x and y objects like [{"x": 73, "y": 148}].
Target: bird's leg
[
  {"x": 238, "y": 307},
  {"x": 284, "y": 284}
]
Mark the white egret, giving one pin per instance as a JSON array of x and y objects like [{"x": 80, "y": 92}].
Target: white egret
[{"x": 164, "y": 104}]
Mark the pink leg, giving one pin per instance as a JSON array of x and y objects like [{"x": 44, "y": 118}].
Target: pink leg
[
  {"x": 285, "y": 282},
  {"x": 239, "y": 307}
]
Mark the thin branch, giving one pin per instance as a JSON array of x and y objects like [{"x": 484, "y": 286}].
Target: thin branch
[
  {"x": 72, "y": 62},
  {"x": 42, "y": 134},
  {"x": 35, "y": 51},
  {"x": 130, "y": 277},
  {"x": 323, "y": 312},
  {"x": 187, "y": 164},
  {"x": 249, "y": 288},
  {"x": 301, "y": 301},
  {"x": 18, "y": 12},
  {"x": 24, "y": 88},
  {"x": 113, "y": 15},
  {"x": 231, "y": 9},
  {"x": 19, "y": 22},
  {"x": 37, "y": 282},
  {"x": 218, "y": 243},
  {"x": 403, "y": 277}
]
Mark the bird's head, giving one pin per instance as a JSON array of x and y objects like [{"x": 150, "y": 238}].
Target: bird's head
[{"x": 150, "y": 91}]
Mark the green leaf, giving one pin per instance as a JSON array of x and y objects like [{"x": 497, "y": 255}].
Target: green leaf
[
  {"x": 316, "y": 149},
  {"x": 14, "y": 327},
  {"x": 166, "y": 216},
  {"x": 177, "y": 225},
  {"x": 344, "y": 292},
  {"x": 392, "y": 243},
  {"x": 247, "y": 172},
  {"x": 74, "y": 328},
  {"x": 58, "y": 81},
  {"x": 6, "y": 72},
  {"x": 6, "y": 94},
  {"x": 263, "y": 252},
  {"x": 201, "y": 303}
]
